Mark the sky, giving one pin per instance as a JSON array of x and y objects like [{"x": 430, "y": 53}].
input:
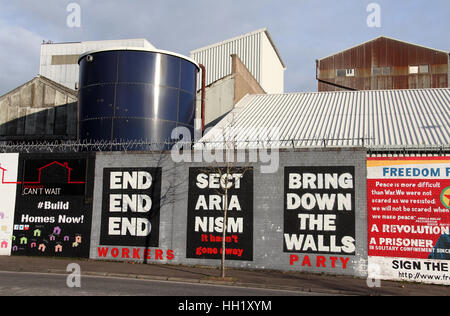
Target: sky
[{"x": 303, "y": 30}]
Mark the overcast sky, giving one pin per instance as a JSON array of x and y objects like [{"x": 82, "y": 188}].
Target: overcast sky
[{"x": 303, "y": 30}]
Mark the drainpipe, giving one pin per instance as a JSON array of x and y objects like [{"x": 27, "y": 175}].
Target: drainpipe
[{"x": 203, "y": 95}]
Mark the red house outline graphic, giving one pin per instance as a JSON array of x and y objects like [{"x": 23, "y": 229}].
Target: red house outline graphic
[
  {"x": 64, "y": 165},
  {"x": 3, "y": 170}
]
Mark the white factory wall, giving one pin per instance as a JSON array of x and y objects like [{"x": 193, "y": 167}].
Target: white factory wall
[
  {"x": 67, "y": 75},
  {"x": 272, "y": 70},
  {"x": 250, "y": 49}
]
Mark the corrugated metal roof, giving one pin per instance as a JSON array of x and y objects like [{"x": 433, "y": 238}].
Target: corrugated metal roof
[{"x": 373, "y": 119}]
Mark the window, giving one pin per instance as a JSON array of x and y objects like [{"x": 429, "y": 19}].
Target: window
[
  {"x": 424, "y": 69},
  {"x": 421, "y": 69},
  {"x": 387, "y": 71},
  {"x": 350, "y": 72},
  {"x": 341, "y": 72},
  {"x": 413, "y": 70},
  {"x": 65, "y": 59},
  {"x": 381, "y": 71},
  {"x": 345, "y": 72}
]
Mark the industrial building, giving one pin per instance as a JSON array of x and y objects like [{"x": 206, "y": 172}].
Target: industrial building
[
  {"x": 246, "y": 64},
  {"x": 243, "y": 65},
  {"x": 311, "y": 212},
  {"x": 257, "y": 52},
  {"x": 40, "y": 109},
  {"x": 222, "y": 95},
  {"x": 384, "y": 63},
  {"x": 59, "y": 61},
  {"x": 149, "y": 92}
]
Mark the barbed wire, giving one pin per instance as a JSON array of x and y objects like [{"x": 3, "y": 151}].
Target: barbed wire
[
  {"x": 83, "y": 146},
  {"x": 126, "y": 146}
]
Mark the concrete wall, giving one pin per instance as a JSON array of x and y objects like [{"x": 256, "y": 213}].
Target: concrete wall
[
  {"x": 268, "y": 214},
  {"x": 222, "y": 95},
  {"x": 311, "y": 214},
  {"x": 219, "y": 99},
  {"x": 38, "y": 109}
]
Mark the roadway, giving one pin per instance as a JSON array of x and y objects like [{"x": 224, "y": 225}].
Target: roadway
[{"x": 44, "y": 284}]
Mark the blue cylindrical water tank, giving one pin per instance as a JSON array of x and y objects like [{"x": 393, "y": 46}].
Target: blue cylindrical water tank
[{"x": 129, "y": 94}]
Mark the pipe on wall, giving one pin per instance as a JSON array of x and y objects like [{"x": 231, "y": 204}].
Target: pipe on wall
[{"x": 203, "y": 95}]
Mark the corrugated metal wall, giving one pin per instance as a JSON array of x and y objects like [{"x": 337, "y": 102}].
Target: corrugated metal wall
[
  {"x": 217, "y": 58},
  {"x": 384, "y": 52}
]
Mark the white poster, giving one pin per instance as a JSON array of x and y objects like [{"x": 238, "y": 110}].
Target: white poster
[
  {"x": 410, "y": 270},
  {"x": 409, "y": 218},
  {"x": 8, "y": 184}
]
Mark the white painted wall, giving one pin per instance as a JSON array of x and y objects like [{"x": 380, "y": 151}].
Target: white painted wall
[
  {"x": 272, "y": 70},
  {"x": 9, "y": 162}
]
